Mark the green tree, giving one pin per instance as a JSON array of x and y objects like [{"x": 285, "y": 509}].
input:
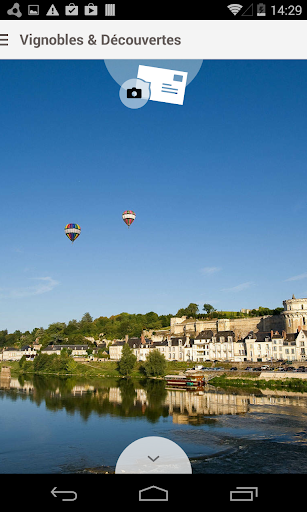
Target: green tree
[
  {"x": 38, "y": 332},
  {"x": 151, "y": 319},
  {"x": 76, "y": 339},
  {"x": 72, "y": 327},
  {"x": 22, "y": 361},
  {"x": 87, "y": 318},
  {"x": 73, "y": 323},
  {"x": 71, "y": 365},
  {"x": 26, "y": 339},
  {"x": 192, "y": 310},
  {"x": 3, "y": 335},
  {"x": 102, "y": 354},
  {"x": 65, "y": 352},
  {"x": 56, "y": 328},
  {"x": 42, "y": 361},
  {"x": 181, "y": 312},
  {"x": 127, "y": 361},
  {"x": 277, "y": 311},
  {"x": 264, "y": 311},
  {"x": 208, "y": 308},
  {"x": 56, "y": 339},
  {"x": 155, "y": 364}
]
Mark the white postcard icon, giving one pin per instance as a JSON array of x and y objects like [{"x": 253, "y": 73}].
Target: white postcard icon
[{"x": 166, "y": 85}]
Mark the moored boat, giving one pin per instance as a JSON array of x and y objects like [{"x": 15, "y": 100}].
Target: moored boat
[
  {"x": 176, "y": 380},
  {"x": 195, "y": 379},
  {"x": 186, "y": 381}
]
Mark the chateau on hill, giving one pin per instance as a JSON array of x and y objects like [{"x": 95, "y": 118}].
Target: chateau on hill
[
  {"x": 265, "y": 338},
  {"x": 292, "y": 319}
]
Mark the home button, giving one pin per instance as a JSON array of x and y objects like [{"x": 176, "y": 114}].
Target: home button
[{"x": 153, "y": 493}]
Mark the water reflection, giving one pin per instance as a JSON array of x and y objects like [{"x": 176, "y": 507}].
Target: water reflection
[{"x": 150, "y": 399}]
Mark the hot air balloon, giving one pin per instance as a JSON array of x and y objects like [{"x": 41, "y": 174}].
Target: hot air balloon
[
  {"x": 128, "y": 217},
  {"x": 72, "y": 231}
]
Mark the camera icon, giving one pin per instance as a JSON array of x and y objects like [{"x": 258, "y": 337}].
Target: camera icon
[{"x": 134, "y": 93}]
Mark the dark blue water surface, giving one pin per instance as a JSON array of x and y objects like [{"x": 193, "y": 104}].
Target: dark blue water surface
[{"x": 58, "y": 425}]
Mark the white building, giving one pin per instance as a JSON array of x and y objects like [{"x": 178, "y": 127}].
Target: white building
[
  {"x": 259, "y": 346},
  {"x": 276, "y": 347},
  {"x": 295, "y": 314},
  {"x": 294, "y": 346},
  {"x": 76, "y": 350},
  {"x": 115, "y": 350},
  {"x": 301, "y": 346},
  {"x": 178, "y": 349},
  {"x": 11, "y": 354},
  {"x": 15, "y": 354},
  {"x": 221, "y": 346},
  {"x": 140, "y": 348},
  {"x": 29, "y": 352},
  {"x": 201, "y": 346},
  {"x": 239, "y": 351}
]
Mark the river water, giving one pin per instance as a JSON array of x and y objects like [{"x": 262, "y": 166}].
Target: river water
[{"x": 69, "y": 425}]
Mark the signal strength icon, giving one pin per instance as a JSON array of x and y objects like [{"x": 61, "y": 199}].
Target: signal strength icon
[{"x": 235, "y": 8}]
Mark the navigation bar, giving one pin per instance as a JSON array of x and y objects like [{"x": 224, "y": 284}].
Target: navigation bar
[{"x": 167, "y": 40}]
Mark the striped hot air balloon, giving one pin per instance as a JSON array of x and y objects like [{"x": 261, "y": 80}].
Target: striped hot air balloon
[
  {"x": 72, "y": 231},
  {"x": 128, "y": 217}
]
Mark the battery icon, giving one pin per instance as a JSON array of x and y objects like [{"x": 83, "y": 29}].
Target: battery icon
[{"x": 261, "y": 10}]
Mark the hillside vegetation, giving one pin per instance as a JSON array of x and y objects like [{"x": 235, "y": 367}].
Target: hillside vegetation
[{"x": 115, "y": 326}]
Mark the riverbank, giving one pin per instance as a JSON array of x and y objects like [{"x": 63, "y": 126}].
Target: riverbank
[
  {"x": 225, "y": 379},
  {"x": 94, "y": 369},
  {"x": 288, "y": 383}
]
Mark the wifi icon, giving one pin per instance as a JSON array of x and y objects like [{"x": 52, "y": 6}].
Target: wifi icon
[{"x": 235, "y": 8}]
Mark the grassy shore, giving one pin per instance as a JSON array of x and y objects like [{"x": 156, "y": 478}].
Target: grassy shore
[
  {"x": 225, "y": 381},
  {"x": 98, "y": 369},
  {"x": 12, "y": 364}
]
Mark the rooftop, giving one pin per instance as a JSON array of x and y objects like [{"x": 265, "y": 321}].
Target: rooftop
[
  {"x": 259, "y": 336},
  {"x": 204, "y": 335}
]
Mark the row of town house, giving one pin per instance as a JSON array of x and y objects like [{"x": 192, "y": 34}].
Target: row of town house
[
  {"x": 207, "y": 346},
  {"x": 76, "y": 351},
  {"x": 15, "y": 354},
  {"x": 221, "y": 346}
]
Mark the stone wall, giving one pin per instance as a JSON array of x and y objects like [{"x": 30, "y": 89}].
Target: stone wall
[
  {"x": 240, "y": 326},
  {"x": 282, "y": 375},
  {"x": 5, "y": 372},
  {"x": 189, "y": 327}
]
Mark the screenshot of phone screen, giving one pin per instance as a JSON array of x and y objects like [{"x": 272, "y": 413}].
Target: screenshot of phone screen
[{"x": 153, "y": 279}]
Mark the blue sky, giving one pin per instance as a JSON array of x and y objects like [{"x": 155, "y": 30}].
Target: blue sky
[{"x": 217, "y": 186}]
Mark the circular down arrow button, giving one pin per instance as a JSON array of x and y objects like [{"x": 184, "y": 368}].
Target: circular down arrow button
[{"x": 165, "y": 457}]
